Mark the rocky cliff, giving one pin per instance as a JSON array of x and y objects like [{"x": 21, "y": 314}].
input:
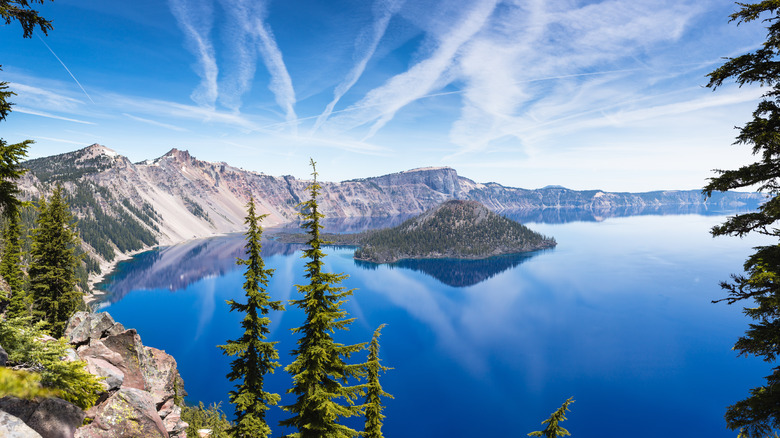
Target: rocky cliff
[
  {"x": 142, "y": 389},
  {"x": 124, "y": 206}
]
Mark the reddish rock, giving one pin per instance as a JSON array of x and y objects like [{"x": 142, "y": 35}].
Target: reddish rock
[{"x": 128, "y": 345}]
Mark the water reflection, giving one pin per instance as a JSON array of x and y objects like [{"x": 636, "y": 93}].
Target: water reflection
[
  {"x": 456, "y": 272},
  {"x": 176, "y": 267},
  {"x": 562, "y": 216}
]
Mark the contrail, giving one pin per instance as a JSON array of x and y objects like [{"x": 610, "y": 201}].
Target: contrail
[{"x": 66, "y": 68}]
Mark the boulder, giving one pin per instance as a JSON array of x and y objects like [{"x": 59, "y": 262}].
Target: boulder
[
  {"x": 19, "y": 408},
  {"x": 13, "y": 427},
  {"x": 84, "y": 326},
  {"x": 160, "y": 375},
  {"x": 128, "y": 345},
  {"x": 114, "y": 377},
  {"x": 173, "y": 423},
  {"x": 51, "y": 417},
  {"x": 128, "y": 413},
  {"x": 56, "y": 418}
]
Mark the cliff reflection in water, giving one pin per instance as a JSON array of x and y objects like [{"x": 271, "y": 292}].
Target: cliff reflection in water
[
  {"x": 457, "y": 272},
  {"x": 178, "y": 266},
  {"x": 566, "y": 215}
]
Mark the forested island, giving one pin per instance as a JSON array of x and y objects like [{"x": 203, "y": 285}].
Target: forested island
[{"x": 455, "y": 229}]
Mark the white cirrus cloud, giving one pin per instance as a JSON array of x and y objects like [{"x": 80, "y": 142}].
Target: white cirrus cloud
[
  {"x": 365, "y": 47},
  {"x": 195, "y": 18},
  {"x": 381, "y": 104}
]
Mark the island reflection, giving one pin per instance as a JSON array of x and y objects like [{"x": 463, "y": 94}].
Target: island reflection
[{"x": 459, "y": 272}]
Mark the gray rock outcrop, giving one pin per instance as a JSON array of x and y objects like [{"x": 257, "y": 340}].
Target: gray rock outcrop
[
  {"x": 50, "y": 417},
  {"x": 141, "y": 382},
  {"x": 127, "y": 413},
  {"x": 13, "y": 427}
]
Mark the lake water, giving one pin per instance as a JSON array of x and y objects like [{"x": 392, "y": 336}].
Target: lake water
[{"x": 618, "y": 316}]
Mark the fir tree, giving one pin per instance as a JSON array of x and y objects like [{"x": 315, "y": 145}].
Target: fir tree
[
  {"x": 759, "y": 414},
  {"x": 320, "y": 373},
  {"x": 374, "y": 392},
  {"x": 256, "y": 357},
  {"x": 11, "y": 269},
  {"x": 53, "y": 264},
  {"x": 553, "y": 430}
]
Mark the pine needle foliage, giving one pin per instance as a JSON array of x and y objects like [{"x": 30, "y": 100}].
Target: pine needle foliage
[
  {"x": 374, "y": 392},
  {"x": 53, "y": 264},
  {"x": 11, "y": 267},
  {"x": 759, "y": 414},
  {"x": 27, "y": 350},
  {"x": 212, "y": 418},
  {"x": 20, "y": 11},
  {"x": 320, "y": 372},
  {"x": 23, "y": 384},
  {"x": 553, "y": 429},
  {"x": 255, "y": 356}
]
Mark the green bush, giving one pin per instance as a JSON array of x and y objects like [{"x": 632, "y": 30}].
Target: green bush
[
  {"x": 26, "y": 349},
  {"x": 212, "y": 418}
]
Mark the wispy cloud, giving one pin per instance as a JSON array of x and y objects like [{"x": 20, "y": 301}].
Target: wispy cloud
[
  {"x": 167, "y": 110},
  {"x": 39, "y": 97},
  {"x": 195, "y": 18},
  {"x": 380, "y": 105},
  {"x": 247, "y": 35},
  {"x": 497, "y": 64},
  {"x": 66, "y": 68},
  {"x": 281, "y": 83},
  {"x": 23, "y": 110},
  {"x": 56, "y": 140},
  {"x": 365, "y": 46},
  {"x": 154, "y": 122}
]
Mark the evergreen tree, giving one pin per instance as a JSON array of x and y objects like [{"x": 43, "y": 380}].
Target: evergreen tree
[
  {"x": 53, "y": 264},
  {"x": 320, "y": 373},
  {"x": 12, "y": 154},
  {"x": 553, "y": 430},
  {"x": 374, "y": 392},
  {"x": 759, "y": 414},
  {"x": 11, "y": 269},
  {"x": 20, "y": 11},
  {"x": 256, "y": 357}
]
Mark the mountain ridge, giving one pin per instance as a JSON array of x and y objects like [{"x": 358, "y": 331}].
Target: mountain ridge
[{"x": 177, "y": 197}]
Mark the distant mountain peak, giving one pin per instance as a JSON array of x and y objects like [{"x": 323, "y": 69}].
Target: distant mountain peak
[
  {"x": 428, "y": 169},
  {"x": 96, "y": 149}
]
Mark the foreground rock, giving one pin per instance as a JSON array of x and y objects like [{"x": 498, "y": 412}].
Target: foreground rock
[
  {"x": 142, "y": 383},
  {"x": 50, "y": 417},
  {"x": 11, "y": 426}
]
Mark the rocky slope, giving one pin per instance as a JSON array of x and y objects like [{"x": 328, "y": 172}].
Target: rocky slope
[
  {"x": 142, "y": 388},
  {"x": 131, "y": 206}
]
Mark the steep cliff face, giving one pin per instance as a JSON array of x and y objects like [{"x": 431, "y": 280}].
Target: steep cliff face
[{"x": 178, "y": 197}]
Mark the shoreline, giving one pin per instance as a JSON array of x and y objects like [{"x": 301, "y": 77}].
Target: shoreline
[{"x": 107, "y": 268}]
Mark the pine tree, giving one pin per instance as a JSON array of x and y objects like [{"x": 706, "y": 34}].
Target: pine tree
[
  {"x": 374, "y": 392},
  {"x": 320, "y": 373},
  {"x": 256, "y": 357},
  {"x": 11, "y": 269},
  {"x": 759, "y": 414},
  {"x": 53, "y": 264},
  {"x": 553, "y": 430}
]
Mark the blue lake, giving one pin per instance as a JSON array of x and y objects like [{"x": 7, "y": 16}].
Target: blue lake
[{"x": 618, "y": 316}]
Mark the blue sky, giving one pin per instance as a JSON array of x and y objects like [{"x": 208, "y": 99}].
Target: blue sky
[{"x": 586, "y": 94}]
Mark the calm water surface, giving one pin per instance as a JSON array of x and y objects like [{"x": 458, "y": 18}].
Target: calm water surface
[{"x": 618, "y": 316}]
